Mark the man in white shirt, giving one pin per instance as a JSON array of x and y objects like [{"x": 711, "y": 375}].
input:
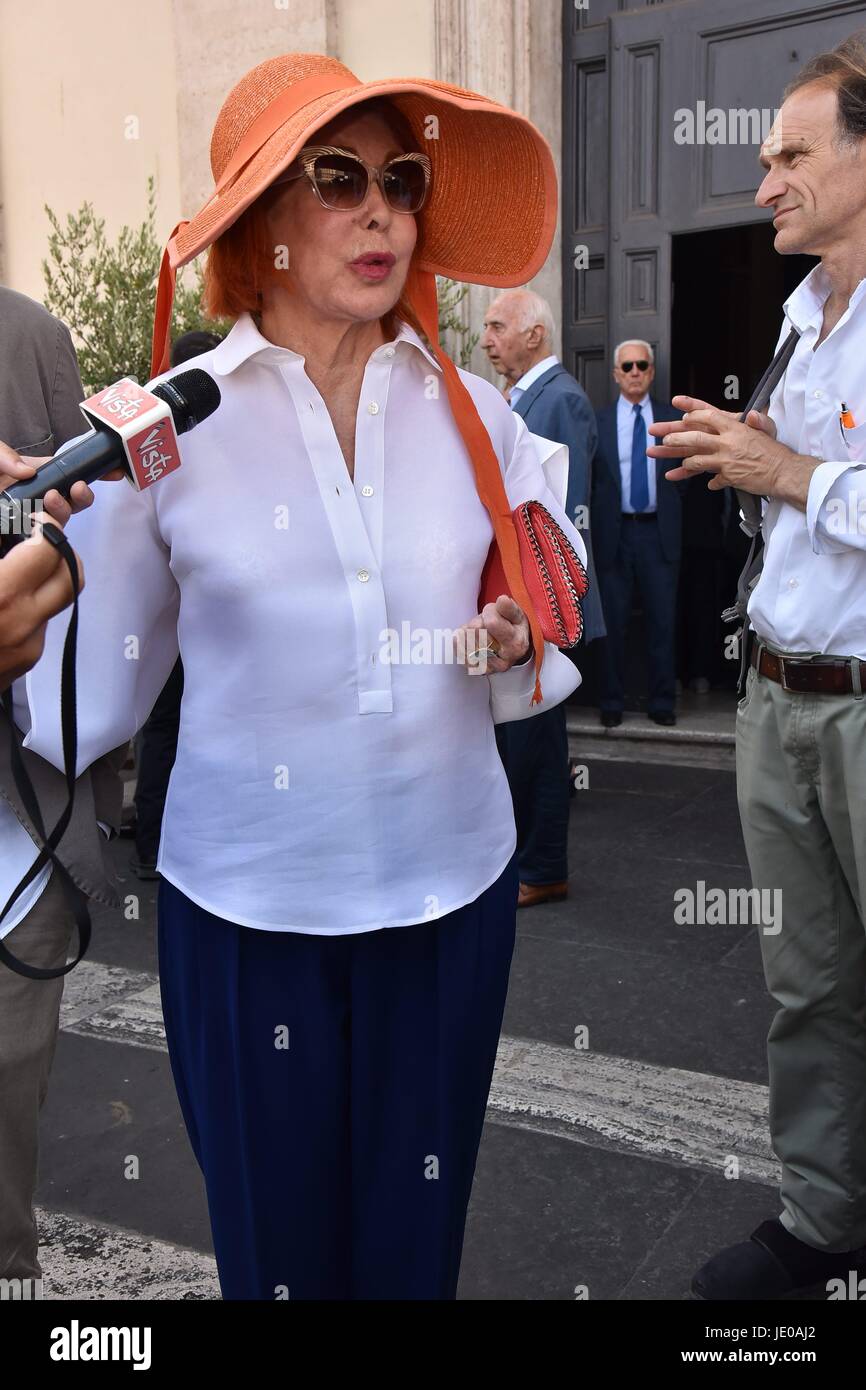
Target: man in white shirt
[{"x": 801, "y": 726}]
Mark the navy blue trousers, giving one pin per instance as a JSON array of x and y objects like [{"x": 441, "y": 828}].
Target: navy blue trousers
[
  {"x": 640, "y": 561},
  {"x": 338, "y": 1166},
  {"x": 534, "y": 753}
]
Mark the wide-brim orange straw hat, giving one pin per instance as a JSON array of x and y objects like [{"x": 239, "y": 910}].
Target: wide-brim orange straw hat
[{"x": 489, "y": 219}]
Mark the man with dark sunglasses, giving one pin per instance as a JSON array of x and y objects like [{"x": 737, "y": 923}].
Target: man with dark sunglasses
[{"x": 636, "y": 520}]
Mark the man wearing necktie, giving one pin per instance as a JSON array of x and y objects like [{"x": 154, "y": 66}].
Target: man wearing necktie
[{"x": 636, "y": 521}]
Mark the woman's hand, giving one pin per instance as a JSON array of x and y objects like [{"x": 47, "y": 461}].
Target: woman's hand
[{"x": 502, "y": 627}]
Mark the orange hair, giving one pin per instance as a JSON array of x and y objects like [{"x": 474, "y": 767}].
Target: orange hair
[{"x": 241, "y": 262}]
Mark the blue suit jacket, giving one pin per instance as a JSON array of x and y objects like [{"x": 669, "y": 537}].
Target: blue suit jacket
[
  {"x": 557, "y": 407},
  {"x": 606, "y": 507}
]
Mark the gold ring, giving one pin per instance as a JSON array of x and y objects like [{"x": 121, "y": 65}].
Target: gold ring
[{"x": 475, "y": 658}]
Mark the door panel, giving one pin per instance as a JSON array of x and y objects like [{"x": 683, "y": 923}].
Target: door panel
[{"x": 625, "y": 81}]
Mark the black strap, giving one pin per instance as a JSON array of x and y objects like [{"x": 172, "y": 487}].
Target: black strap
[
  {"x": 69, "y": 728},
  {"x": 752, "y": 509},
  {"x": 750, "y": 503}
]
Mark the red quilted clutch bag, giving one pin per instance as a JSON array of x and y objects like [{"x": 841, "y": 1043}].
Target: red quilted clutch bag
[{"x": 552, "y": 571}]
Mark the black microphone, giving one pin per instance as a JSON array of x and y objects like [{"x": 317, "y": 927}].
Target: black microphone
[{"x": 191, "y": 396}]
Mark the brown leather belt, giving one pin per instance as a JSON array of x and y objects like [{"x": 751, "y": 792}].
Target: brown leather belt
[{"x": 827, "y": 677}]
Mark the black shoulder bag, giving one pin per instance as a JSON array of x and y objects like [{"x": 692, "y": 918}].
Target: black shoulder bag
[{"x": 752, "y": 510}]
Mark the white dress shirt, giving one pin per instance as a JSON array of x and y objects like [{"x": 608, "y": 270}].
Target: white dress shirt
[
  {"x": 811, "y": 596},
  {"x": 318, "y": 788},
  {"x": 624, "y": 435},
  {"x": 529, "y": 377}
]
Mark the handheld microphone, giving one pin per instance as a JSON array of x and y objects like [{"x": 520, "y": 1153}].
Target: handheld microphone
[{"x": 191, "y": 396}]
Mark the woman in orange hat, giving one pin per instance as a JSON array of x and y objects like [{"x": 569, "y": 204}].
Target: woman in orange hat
[{"x": 338, "y": 895}]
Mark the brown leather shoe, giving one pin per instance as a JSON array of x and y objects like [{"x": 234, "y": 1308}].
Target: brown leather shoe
[{"x": 531, "y": 894}]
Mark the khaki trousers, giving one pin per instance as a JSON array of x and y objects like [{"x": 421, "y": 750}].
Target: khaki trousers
[
  {"x": 801, "y": 782},
  {"x": 29, "y": 1012}
]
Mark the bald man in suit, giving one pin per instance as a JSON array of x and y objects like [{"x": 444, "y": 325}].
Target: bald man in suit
[{"x": 518, "y": 338}]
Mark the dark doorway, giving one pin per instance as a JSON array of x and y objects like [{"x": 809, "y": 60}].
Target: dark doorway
[{"x": 728, "y": 289}]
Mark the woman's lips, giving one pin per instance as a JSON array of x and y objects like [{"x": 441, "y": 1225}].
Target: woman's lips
[{"x": 373, "y": 266}]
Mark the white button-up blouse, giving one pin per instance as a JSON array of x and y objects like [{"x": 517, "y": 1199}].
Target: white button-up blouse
[{"x": 336, "y": 768}]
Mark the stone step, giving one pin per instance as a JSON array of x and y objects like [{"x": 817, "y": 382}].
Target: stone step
[{"x": 638, "y": 739}]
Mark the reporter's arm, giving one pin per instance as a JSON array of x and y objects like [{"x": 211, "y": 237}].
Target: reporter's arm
[
  {"x": 35, "y": 584},
  {"x": 127, "y": 635}
]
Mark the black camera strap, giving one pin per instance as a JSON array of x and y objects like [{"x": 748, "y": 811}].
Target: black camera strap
[
  {"x": 69, "y": 728},
  {"x": 751, "y": 506}
]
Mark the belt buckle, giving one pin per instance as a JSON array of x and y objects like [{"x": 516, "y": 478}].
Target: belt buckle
[{"x": 782, "y": 677}]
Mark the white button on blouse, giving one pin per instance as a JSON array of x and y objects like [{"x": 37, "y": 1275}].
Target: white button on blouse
[{"x": 336, "y": 771}]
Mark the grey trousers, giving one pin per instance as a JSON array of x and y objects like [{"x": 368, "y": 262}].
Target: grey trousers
[
  {"x": 29, "y": 1011},
  {"x": 801, "y": 780}
]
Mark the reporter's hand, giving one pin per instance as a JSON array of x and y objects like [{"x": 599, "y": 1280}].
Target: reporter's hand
[
  {"x": 15, "y": 469},
  {"x": 34, "y": 585}
]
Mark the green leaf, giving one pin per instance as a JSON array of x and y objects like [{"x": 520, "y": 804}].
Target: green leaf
[{"x": 106, "y": 292}]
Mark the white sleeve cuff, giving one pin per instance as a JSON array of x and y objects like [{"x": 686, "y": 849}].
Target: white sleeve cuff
[
  {"x": 836, "y": 510},
  {"x": 511, "y": 690}
]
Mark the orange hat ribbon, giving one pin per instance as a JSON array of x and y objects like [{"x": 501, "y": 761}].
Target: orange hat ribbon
[
  {"x": 419, "y": 303},
  {"x": 159, "y": 351}
]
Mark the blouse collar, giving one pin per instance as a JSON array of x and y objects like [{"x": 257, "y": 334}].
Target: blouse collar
[{"x": 245, "y": 341}]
